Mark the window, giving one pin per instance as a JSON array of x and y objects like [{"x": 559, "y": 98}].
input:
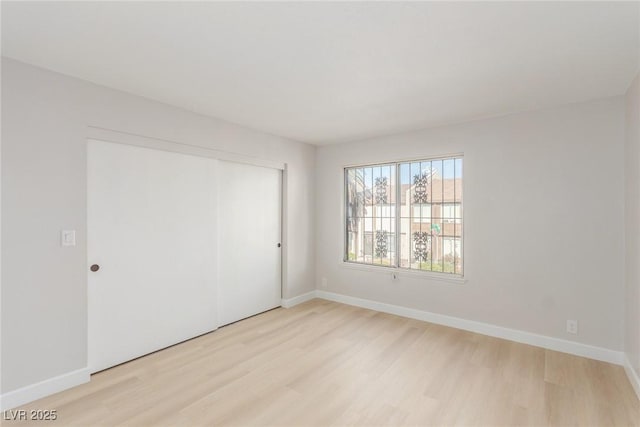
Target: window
[
  {"x": 419, "y": 201},
  {"x": 422, "y": 212},
  {"x": 451, "y": 212}
]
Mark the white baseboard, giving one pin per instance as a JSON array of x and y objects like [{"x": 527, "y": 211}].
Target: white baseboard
[
  {"x": 634, "y": 377},
  {"x": 565, "y": 346},
  {"x": 288, "y": 303},
  {"x": 44, "y": 388}
]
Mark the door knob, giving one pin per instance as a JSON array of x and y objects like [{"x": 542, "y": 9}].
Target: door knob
[{"x": 94, "y": 268}]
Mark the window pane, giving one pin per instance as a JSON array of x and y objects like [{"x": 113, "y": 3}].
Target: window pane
[
  {"x": 437, "y": 182},
  {"x": 449, "y": 250},
  {"x": 418, "y": 191},
  {"x": 368, "y": 246},
  {"x": 355, "y": 211},
  {"x": 437, "y": 228},
  {"x": 389, "y": 173},
  {"x": 455, "y": 229},
  {"x": 369, "y": 204},
  {"x": 422, "y": 212},
  {"x": 351, "y": 237},
  {"x": 421, "y": 249},
  {"x": 431, "y": 215},
  {"x": 405, "y": 242}
]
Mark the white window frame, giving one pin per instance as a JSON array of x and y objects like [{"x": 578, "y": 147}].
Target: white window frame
[{"x": 450, "y": 277}]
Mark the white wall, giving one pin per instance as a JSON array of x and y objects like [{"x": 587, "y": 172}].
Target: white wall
[
  {"x": 632, "y": 225},
  {"x": 544, "y": 233},
  {"x": 45, "y": 117}
]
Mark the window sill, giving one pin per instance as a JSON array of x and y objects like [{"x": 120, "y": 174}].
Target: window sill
[{"x": 414, "y": 274}]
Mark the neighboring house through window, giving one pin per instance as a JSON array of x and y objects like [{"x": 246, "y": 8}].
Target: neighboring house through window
[{"x": 420, "y": 201}]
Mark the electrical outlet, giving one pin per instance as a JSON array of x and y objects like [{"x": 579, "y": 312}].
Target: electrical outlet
[
  {"x": 324, "y": 283},
  {"x": 572, "y": 327},
  {"x": 68, "y": 237}
]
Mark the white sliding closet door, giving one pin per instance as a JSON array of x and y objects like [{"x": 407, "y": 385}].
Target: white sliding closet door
[
  {"x": 151, "y": 230},
  {"x": 249, "y": 230}
]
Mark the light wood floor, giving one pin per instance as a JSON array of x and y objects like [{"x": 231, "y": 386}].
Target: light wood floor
[{"x": 323, "y": 363}]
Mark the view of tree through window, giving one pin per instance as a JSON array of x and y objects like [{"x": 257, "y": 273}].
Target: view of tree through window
[{"x": 406, "y": 215}]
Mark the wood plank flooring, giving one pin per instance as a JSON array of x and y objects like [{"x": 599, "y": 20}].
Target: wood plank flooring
[{"x": 324, "y": 363}]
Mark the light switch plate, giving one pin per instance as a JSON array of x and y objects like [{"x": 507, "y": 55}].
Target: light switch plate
[{"x": 68, "y": 237}]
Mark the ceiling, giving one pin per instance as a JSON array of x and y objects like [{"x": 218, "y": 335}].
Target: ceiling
[{"x": 325, "y": 72}]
